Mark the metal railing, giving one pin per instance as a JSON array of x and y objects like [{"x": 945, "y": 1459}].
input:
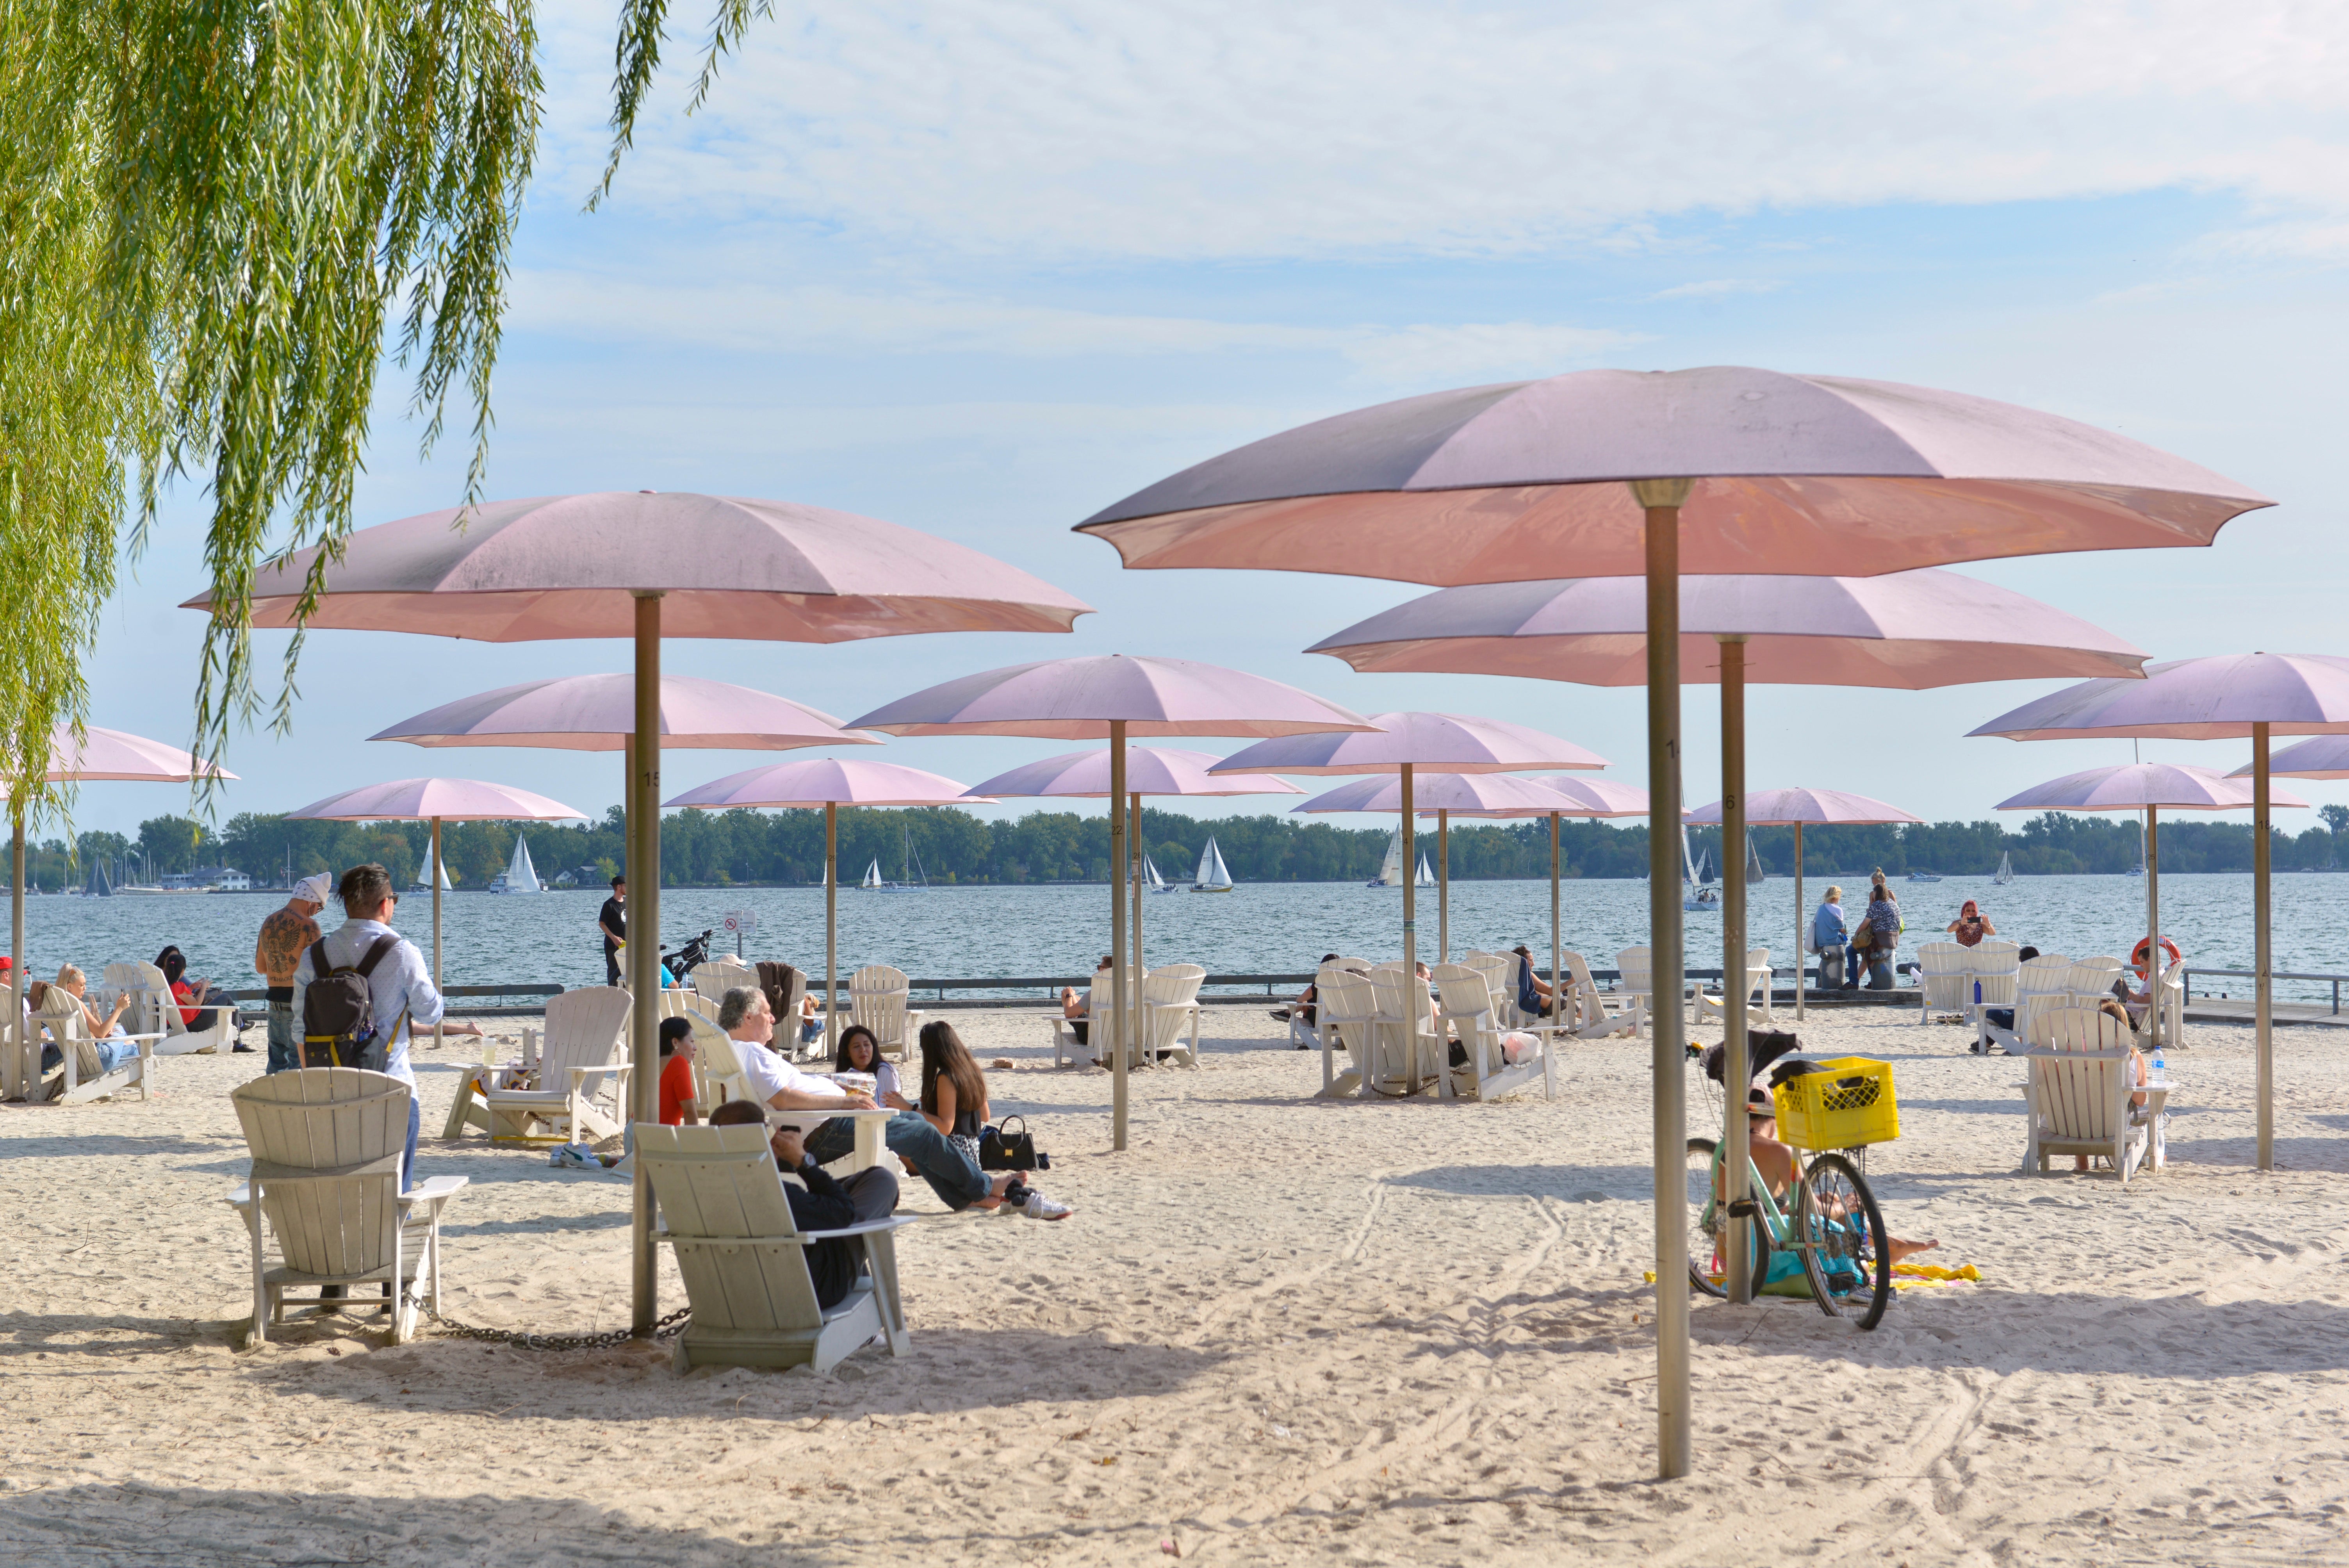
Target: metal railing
[{"x": 2337, "y": 980}]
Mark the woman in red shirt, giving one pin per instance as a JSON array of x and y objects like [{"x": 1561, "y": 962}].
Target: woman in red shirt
[{"x": 677, "y": 1074}]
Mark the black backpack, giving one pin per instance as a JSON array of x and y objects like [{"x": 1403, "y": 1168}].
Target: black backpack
[{"x": 338, "y": 1014}]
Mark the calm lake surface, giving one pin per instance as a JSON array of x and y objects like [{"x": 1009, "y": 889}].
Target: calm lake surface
[{"x": 1257, "y": 928}]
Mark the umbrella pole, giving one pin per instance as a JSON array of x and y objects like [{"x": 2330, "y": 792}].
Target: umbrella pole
[
  {"x": 1409, "y": 930},
  {"x": 1737, "y": 1073},
  {"x": 2153, "y": 926},
  {"x": 644, "y": 952},
  {"x": 436, "y": 927},
  {"x": 1801, "y": 934},
  {"x": 1134, "y": 861},
  {"x": 20, "y": 986},
  {"x": 1556, "y": 939},
  {"x": 1442, "y": 886},
  {"x": 1661, "y": 500},
  {"x": 1117, "y": 934},
  {"x": 831, "y": 927},
  {"x": 2263, "y": 1040}
]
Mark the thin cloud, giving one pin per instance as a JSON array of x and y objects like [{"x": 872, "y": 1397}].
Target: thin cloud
[{"x": 1716, "y": 288}]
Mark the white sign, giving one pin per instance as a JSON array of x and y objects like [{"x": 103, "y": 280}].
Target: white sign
[{"x": 739, "y": 923}]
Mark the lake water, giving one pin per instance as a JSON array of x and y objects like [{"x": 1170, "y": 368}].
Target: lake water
[{"x": 1257, "y": 928}]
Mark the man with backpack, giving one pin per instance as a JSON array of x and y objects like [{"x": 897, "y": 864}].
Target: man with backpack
[{"x": 361, "y": 991}]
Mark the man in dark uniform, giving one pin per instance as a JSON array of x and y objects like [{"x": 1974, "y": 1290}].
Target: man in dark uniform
[{"x": 614, "y": 923}]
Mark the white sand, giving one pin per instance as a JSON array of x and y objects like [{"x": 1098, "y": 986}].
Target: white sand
[{"x": 1276, "y": 1331}]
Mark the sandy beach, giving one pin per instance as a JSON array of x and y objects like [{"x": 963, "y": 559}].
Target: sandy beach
[{"x": 1276, "y": 1331}]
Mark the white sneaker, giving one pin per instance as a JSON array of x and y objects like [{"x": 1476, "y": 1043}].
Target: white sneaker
[{"x": 1040, "y": 1207}]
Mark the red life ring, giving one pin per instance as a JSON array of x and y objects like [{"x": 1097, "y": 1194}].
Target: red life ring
[{"x": 2137, "y": 956}]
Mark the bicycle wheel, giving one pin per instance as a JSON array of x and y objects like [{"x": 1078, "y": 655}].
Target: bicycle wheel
[
  {"x": 1837, "y": 1215},
  {"x": 1708, "y": 1227}
]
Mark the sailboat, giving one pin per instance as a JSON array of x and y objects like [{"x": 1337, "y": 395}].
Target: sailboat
[
  {"x": 1754, "y": 871},
  {"x": 1212, "y": 877},
  {"x": 1391, "y": 869},
  {"x": 424, "y": 881},
  {"x": 520, "y": 875},
  {"x": 1423, "y": 877},
  {"x": 873, "y": 882},
  {"x": 1151, "y": 880},
  {"x": 2138, "y": 869},
  {"x": 1694, "y": 894},
  {"x": 2006, "y": 872}
]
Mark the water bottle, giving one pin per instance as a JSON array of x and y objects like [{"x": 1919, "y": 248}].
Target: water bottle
[{"x": 2160, "y": 1067}]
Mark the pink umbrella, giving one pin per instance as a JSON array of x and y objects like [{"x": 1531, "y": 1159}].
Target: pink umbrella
[
  {"x": 640, "y": 564},
  {"x": 436, "y": 800},
  {"x": 1404, "y": 744},
  {"x": 1149, "y": 770},
  {"x": 1116, "y": 696},
  {"x": 2320, "y": 757},
  {"x": 2222, "y": 698},
  {"x": 1797, "y": 809},
  {"x": 830, "y": 782},
  {"x": 1616, "y": 473},
  {"x": 597, "y": 713}
]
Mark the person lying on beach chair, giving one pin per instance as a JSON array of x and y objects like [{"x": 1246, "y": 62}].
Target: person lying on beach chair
[
  {"x": 1072, "y": 1002},
  {"x": 823, "y": 1203}
]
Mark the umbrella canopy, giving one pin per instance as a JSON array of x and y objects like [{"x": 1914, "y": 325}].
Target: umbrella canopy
[
  {"x": 449, "y": 799},
  {"x": 1081, "y": 698},
  {"x": 2138, "y": 786},
  {"x": 826, "y": 781},
  {"x": 2319, "y": 756},
  {"x": 1433, "y": 742},
  {"x": 1906, "y": 630},
  {"x": 1793, "y": 474},
  {"x": 1484, "y": 793},
  {"x": 103, "y": 755},
  {"x": 598, "y": 713},
  {"x": 1807, "y": 808},
  {"x": 1149, "y": 770}
]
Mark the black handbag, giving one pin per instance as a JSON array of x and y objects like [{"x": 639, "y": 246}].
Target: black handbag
[{"x": 1001, "y": 1149}]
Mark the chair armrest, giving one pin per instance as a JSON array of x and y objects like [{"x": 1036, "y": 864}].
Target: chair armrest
[
  {"x": 869, "y": 1227},
  {"x": 621, "y": 1069},
  {"x": 160, "y": 1035},
  {"x": 241, "y": 1195},
  {"x": 437, "y": 1191}
]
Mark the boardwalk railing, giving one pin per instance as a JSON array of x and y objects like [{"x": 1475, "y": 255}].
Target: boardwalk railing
[{"x": 2193, "y": 974}]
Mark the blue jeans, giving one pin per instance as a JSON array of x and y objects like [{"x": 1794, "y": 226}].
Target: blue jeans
[
  {"x": 407, "y": 1160},
  {"x": 285, "y": 1050},
  {"x": 112, "y": 1052},
  {"x": 957, "y": 1182}
]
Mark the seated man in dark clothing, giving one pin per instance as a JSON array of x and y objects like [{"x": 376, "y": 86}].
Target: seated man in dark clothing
[{"x": 825, "y": 1205}]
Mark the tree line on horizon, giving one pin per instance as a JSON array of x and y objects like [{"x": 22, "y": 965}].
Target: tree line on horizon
[{"x": 953, "y": 848}]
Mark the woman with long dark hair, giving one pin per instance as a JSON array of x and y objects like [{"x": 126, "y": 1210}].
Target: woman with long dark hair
[
  {"x": 861, "y": 1053},
  {"x": 954, "y": 1100}
]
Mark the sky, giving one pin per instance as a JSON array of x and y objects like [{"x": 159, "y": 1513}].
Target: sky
[{"x": 983, "y": 269}]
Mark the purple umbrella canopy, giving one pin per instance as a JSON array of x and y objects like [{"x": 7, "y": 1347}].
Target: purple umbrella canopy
[
  {"x": 1080, "y": 698},
  {"x": 1433, "y": 742},
  {"x": 1479, "y": 793},
  {"x": 2319, "y": 756},
  {"x": 1906, "y": 630},
  {"x": 1806, "y": 808},
  {"x": 118, "y": 756},
  {"x": 817, "y": 782},
  {"x": 2215, "y": 698},
  {"x": 1807, "y": 475},
  {"x": 2140, "y": 785},
  {"x": 449, "y": 799},
  {"x": 1150, "y": 770},
  {"x": 598, "y": 713}
]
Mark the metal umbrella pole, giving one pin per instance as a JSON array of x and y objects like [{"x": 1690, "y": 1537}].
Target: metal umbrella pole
[
  {"x": 1410, "y": 925},
  {"x": 2153, "y": 924},
  {"x": 1736, "y": 1073},
  {"x": 832, "y": 929},
  {"x": 1801, "y": 932},
  {"x": 644, "y": 954},
  {"x": 2264, "y": 984},
  {"x": 1133, "y": 860},
  {"x": 1443, "y": 885},
  {"x": 1117, "y": 934},
  {"x": 436, "y": 985},
  {"x": 1557, "y": 937},
  {"x": 1661, "y": 501}
]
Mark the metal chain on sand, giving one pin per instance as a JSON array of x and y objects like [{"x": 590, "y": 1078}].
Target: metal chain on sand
[{"x": 667, "y": 1327}]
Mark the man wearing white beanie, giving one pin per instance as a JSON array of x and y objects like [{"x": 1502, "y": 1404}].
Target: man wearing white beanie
[{"x": 285, "y": 935}]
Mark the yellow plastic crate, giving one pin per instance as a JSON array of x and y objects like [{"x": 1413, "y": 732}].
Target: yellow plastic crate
[{"x": 1849, "y": 1103}]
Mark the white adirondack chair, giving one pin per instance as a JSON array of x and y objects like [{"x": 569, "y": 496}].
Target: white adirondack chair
[
  {"x": 1595, "y": 1015},
  {"x": 2093, "y": 978},
  {"x": 2169, "y": 1002},
  {"x": 1170, "y": 998},
  {"x": 1758, "y": 990},
  {"x": 2082, "y": 1078},
  {"x": 327, "y": 1145},
  {"x": 153, "y": 1009},
  {"x": 879, "y": 998},
  {"x": 583, "y": 1057},
  {"x": 1404, "y": 1045},
  {"x": 1470, "y": 1009},
  {"x": 720, "y": 975},
  {"x": 745, "y": 1264},
  {"x": 20, "y": 1053},
  {"x": 1068, "y": 1051},
  {"x": 1343, "y": 1010},
  {"x": 82, "y": 1076},
  {"x": 1945, "y": 981},
  {"x": 2041, "y": 982},
  {"x": 717, "y": 1074},
  {"x": 1636, "y": 969}
]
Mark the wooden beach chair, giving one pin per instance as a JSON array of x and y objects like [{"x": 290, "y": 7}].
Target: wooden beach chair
[
  {"x": 1343, "y": 1011},
  {"x": 1404, "y": 1045},
  {"x": 155, "y": 1010},
  {"x": 1470, "y": 1009},
  {"x": 584, "y": 1058},
  {"x": 1170, "y": 998},
  {"x": 20, "y": 1049},
  {"x": 1595, "y": 1015},
  {"x": 326, "y": 1144},
  {"x": 1635, "y": 968},
  {"x": 1068, "y": 1051},
  {"x": 720, "y": 975},
  {"x": 2082, "y": 1078},
  {"x": 1945, "y": 980},
  {"x": 2040, "y": 984},
  {"x": 880, "y": 998},
  {"x": 79, "y": 1074},
  {"x": 1758, "y": 990},
  {"x": 2168, "y": 1006},
  {"x": 745, "y": 1264}
]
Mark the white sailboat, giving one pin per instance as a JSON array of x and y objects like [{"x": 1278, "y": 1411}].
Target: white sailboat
[
  {"x": 1754, "y": 871},
  {"x": 1151, "y": 880},
  {"x": 1391, "y": 869},
  {"x": 1423, "y": 877},
  {"x": 2005, "y": 869},
  {"x": 1694, "y": 896},
  {"x": 520, "y": 875},
  {"x": 1212, "y": 876},
  {"x": 424, "y": 881}
]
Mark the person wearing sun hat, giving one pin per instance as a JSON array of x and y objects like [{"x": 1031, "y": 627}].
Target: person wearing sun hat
[{"x": 285, "y": 935}]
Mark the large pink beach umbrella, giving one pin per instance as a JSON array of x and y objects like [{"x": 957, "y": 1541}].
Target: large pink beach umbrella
[
  {"x": 1116, "y": 696},
  {"x": 98, "y": 755},
  {"x": 643, "y": 564},
  {"x": 1799, "y": 808},
  {"x": 1905, "y": 629},
  {"x": 1625, "y": 473},
  {"x": 1149, "y": 770},
  {"x": 436, "y": 800},
  {"x": 1407, "y": 744},
  {"x": 2227, "y": 696},
  {"x": 830, "y": 782}
]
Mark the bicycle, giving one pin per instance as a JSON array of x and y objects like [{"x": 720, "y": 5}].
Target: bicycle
[{"x": 1836, "y": 1228}]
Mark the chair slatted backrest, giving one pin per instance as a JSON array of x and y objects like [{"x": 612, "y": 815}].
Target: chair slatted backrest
[
  {"x": 1403, "y": 1004},
  {"x": 878, "y": 995},
  {"x": 720, "y": 975},
  {"x": 326, "y": 1144},
  {"x": 1344, "y": 989},
  {"x": 678, "y": 1004},
  {"x": 19, "y": 1063},
  {"x": 1465, "y": 989},
  {"x": 1945, "y": 974},
  {"x": 1996, "y": 966},
  {"x": 150, "y": 1012},
  {"x": 1757, "y": 967},
  {"x": 719, "y": 1183},
  {"x": 2038, "y": 983},
  {"x": 60, "y": 1014},
  {"x": 720, "y": 1072},
  {"x": 2092, "y": 977},
  {"x": 1587, "y": 1008},
  {"x": 1170, "y": 989},
  {"x": 2084, "y": 1098},
  {"x": 583, "y": 1030},
  {"x": 1637, "y": 967}
]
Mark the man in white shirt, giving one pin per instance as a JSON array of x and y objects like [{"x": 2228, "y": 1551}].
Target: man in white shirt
[
  {"x": 746, "y": 1017},
  {"x": 399, "y": 988}
]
